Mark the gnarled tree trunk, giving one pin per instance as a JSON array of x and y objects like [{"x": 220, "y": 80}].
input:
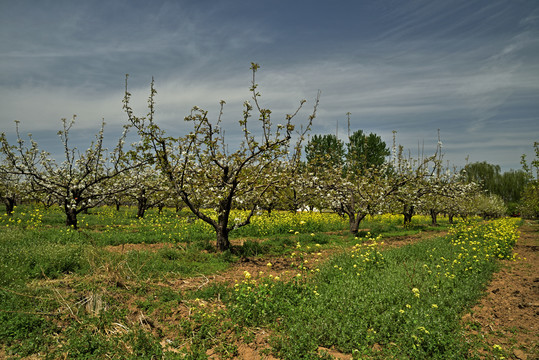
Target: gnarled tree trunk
[
  {"x": 354, "y": 219},
  {"x": 434, "y": 217},
  {"x": 10, "y": 205},
  {"x": 408, "y": 213},
  {"x": 71, "y": 217},
  {"x": 223, "y": 243}
]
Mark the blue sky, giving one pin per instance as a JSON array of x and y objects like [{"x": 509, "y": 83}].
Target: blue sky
[{"x": 468, "y": 68}]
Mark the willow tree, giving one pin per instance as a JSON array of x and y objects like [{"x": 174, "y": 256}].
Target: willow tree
[
  {"x": 529, "y": 204},
  {"x": 486, "y": 175},
  {"x": 200, "y": 169}
]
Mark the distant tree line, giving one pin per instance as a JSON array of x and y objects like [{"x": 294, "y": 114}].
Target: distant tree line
[{"x": 509, "y": 186}]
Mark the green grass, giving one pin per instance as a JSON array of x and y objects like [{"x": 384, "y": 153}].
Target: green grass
[
  {"x": 405, "y": 302},
  {"x": 63, "y": 292}
]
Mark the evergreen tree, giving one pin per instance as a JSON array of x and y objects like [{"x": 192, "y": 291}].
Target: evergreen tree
[{"x": 325, "y": 149}]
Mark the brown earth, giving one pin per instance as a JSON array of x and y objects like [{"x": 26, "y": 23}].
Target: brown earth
[
  {"x": 137, "y": 247},
  {"x": 508, "y": 314}
]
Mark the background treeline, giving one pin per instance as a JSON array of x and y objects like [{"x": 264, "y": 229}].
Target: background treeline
[{"x": 509, "y": 185}]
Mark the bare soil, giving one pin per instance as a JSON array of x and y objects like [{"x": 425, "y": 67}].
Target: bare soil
[
  {"x": 137, "y": 247},
  {"x": 508, "y": 314}
]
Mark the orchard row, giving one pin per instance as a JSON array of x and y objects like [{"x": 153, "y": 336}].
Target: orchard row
[{"x": 265, "y": 171}]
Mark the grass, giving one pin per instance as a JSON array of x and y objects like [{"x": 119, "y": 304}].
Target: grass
[
  {"x": 403, "y": 303},
  {"x": 64, "y": 292}
]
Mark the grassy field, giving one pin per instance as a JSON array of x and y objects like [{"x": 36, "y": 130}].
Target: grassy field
[{"x": 128, "y": 288}]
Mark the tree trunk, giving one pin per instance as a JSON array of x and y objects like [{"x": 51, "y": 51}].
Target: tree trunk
[
  {"x": 142, "y": 203},
  {"x": 354, "y": 221},
  {"x": 295, "y": 203},
  {"x": 71, "y": 217},
  {"x": 408, "y": 212},
  {"x": 117, "y": 205},
  {"x": 141, "y": 209},
  {"x": 223, "y": 243},
  {"x": 450, "y": 217},
  {"x": 140, "y": 212},
  {"x": 10, "y": 205},
  {"x": 434, "y": 216}
]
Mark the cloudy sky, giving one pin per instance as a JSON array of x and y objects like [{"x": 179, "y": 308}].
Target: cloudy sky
[{"x": 468, "y": 68}]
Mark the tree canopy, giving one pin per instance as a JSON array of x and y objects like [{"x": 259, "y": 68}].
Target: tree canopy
[
  {"x": 364, "y": 151},
  {"x": 325, "y": 149},
  {"x": 360, "y": 152}
]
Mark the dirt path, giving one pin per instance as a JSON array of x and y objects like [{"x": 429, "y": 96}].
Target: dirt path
[{"x": 508, "y": 315}]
